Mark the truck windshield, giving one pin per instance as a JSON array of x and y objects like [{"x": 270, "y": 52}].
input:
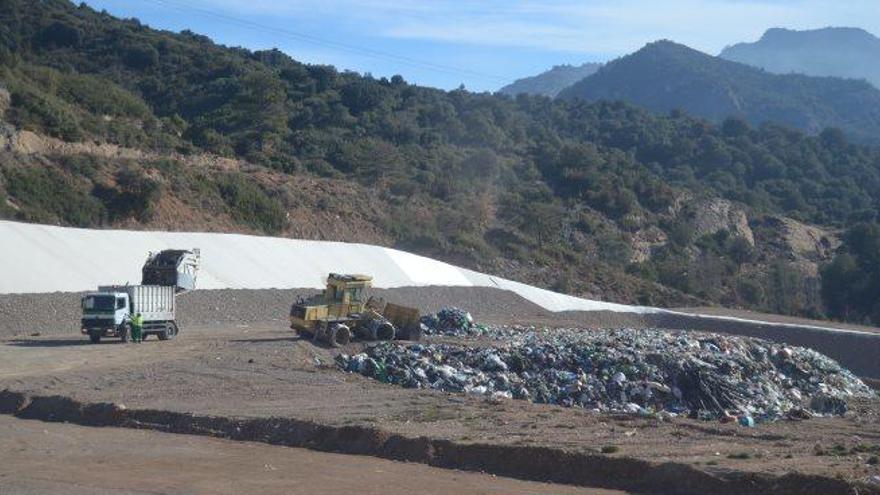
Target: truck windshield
[{"x": 99, "y": 303}]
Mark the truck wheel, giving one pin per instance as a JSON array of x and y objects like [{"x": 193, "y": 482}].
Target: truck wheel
[
  {"x": 125, "y": 333},
  {"x": 95, "y": 337},
  {"x": 168, "y": 332}
]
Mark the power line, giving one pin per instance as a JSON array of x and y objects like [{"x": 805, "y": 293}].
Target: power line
[{"x": 408, "y": 61}]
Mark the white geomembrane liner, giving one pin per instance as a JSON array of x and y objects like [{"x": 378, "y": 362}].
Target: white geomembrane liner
[{"x": 43, "y": 258}]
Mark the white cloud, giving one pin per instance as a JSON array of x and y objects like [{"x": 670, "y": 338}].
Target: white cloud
[
  {"x": 621, "y": 26},
  {"x": 579, "y": 26}
]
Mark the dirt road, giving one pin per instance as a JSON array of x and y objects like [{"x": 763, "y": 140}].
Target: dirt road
[
  {"x": 264, "y": 378},
  {"x": 39, "y": 457}
]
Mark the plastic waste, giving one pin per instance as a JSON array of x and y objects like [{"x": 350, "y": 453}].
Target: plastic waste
[
  {"x": 696, "y": 374},
  {"x": 746, "y": 421}
]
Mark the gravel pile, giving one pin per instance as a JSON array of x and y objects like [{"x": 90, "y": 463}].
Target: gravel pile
[
  {"x": 700, "y": 375},
  {"x": 59, "y": 313}
]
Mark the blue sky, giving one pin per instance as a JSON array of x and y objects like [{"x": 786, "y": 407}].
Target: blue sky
[{"x": 483, "y": 44}]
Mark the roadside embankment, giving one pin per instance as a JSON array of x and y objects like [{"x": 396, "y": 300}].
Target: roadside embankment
[{"x": 523, "y": 462}]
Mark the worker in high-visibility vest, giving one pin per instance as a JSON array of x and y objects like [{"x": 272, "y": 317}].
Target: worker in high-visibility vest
[{"x": 137, "y": 328}]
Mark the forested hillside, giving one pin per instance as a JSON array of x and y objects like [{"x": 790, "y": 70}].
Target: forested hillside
[
  {"x": 664, "y": 76},
  {"x": 599, "y": 199}
]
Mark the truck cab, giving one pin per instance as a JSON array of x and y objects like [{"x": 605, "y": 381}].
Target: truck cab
[{"x": 105, "y": 313}]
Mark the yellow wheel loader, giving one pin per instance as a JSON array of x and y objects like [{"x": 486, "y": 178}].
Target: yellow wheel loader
[{"x": 343, "y": 311}]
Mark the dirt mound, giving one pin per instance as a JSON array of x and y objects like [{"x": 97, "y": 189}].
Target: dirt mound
[{"x": 523, "y": 462}]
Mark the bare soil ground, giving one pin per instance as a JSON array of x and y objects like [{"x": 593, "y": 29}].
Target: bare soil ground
[
  {"x": 254, "y": 372},
  {"x": 39, "y": 457},
  {"x": 59, "y": 313}
]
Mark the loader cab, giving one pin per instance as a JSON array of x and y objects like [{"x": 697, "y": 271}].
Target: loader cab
[{"x": 346, "y": 294}]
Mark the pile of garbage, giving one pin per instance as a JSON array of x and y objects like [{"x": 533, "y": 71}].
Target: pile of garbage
[
  {"x": 649, "y": 372},
  {"x": 451, "y": 321}
]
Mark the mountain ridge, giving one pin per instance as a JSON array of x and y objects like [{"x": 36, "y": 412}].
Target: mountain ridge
[
  {"x": 551, "y": 82},
  {"x": 845, "y": 52},
  {"x": 664, "y": 76}
]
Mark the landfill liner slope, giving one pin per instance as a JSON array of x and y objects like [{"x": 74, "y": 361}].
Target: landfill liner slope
[
  {"x": 522, "y": 462},
  {"x": 31, "y": 263}
]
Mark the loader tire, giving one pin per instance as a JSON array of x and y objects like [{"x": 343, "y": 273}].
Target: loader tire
[{"x": 340, "y": 335}]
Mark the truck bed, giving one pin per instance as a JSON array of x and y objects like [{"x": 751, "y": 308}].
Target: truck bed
[{"x": 153, "y": 302}]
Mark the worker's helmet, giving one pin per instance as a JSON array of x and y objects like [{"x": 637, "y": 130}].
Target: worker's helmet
[{"x": 138, "y": 314}]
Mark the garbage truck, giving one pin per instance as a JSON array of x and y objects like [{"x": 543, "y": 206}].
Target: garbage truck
[{"x": 108, "y": 311}]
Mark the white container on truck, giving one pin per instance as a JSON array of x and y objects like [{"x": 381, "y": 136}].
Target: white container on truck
[{"x": 108, "y": 311}]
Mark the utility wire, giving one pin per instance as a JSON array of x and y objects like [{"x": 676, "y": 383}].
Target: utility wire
[{"x": 287, "y": 33}]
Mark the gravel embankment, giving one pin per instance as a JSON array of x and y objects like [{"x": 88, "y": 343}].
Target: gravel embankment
[{"x": 59, "y": 314}]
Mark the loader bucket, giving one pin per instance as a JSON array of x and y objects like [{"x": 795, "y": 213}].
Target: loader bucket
[{"x": 406, "y": 320}]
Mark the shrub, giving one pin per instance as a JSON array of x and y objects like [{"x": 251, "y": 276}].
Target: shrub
[
  {"x": 58, "y": 35},
  {"x": 136, "y": 195},
  {"x": 44, "y": 113},
  {"x": 101, "y": 96},
  {"x": 46, "y": 195},
  {"x": 140, "y": 57},
  {"x": 249, "y": 204}
]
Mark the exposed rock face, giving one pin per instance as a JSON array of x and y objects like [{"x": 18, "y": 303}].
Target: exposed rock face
[
  {"x": 645, "y": 241},
  {"x": 808, "y": 241},
  {"x": 29, "y": 143},
  {"x": 807, "y": 268},
  {"x": 799, "y": 241},
  {"x": 714, "y": 215},
  {"x": 25, "y": 142}
]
